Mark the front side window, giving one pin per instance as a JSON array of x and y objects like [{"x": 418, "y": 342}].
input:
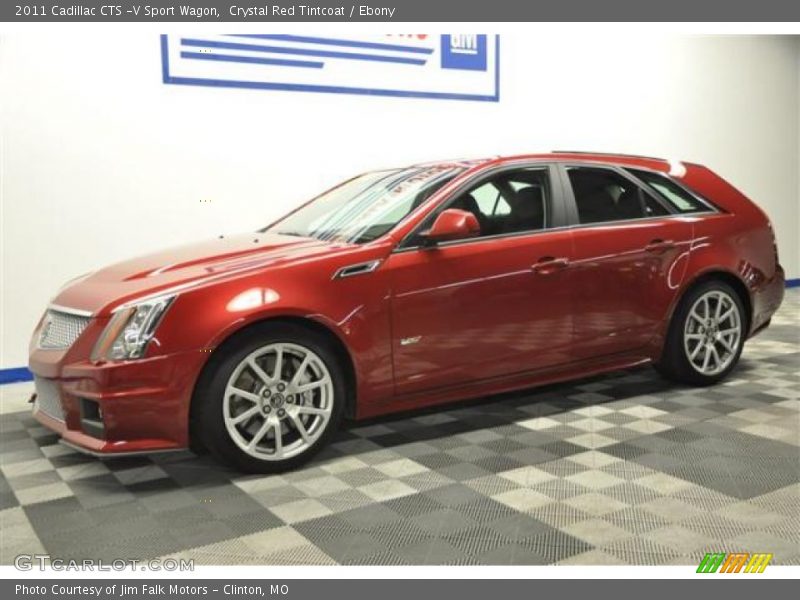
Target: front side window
[
  {"x": 603, "y": 195},
  {"x": 365, "y": 207},
  {"x": 490, "y": 200},
  {"x": 678, "y": 197},
  {"x": 509, "y": 202}
]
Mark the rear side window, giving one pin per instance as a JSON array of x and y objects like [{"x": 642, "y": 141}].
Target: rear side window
[
  {"x": 679, "y": 198},
  {"x": 603, "y": 195}
]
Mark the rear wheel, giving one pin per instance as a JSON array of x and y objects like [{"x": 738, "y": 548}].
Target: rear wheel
[
  {"x": 272, "y": 400},
  {"x": 706, "y": 335}
]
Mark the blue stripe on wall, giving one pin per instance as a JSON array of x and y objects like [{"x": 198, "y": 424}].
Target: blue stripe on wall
[
  {"x": 15, "y": 375},
  {"x": 335, "y": 42},
  {"x": 23, "y": 374},
  {"x": 195, "y": 43},
  {"x": 253, "y": 60}
]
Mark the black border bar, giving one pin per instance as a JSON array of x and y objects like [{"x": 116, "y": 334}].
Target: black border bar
[{"x": 464, "y": 11}]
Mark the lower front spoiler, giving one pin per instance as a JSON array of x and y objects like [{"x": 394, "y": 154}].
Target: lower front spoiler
[
  {"x": 78, "y": 440},
  {"x": 111, "y": 455}
]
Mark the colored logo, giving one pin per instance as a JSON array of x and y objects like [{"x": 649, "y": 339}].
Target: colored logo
[
  {"x": 465, "y": 52},
  {"x": 735, "y": 562}
]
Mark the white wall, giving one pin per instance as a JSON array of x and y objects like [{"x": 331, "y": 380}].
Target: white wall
[{"x": 101, "y": 161}]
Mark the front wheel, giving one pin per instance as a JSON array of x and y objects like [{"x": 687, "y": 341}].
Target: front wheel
[
  {"x": 272, "y": 399},
  {"x": 706, "y": 335}
]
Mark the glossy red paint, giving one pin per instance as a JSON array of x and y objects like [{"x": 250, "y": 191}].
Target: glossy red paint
[{"x": 429, "y": 324}]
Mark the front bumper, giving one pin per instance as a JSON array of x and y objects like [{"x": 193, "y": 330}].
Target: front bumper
[{"x": 136, "y": 406}]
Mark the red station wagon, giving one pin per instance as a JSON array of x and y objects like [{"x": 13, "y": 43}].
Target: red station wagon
[{"x": 405, "y": 288}]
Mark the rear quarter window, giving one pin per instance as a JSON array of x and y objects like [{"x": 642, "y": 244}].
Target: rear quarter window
[{"x": 675, "y": 195}]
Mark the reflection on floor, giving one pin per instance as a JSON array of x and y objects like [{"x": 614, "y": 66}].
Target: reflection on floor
[{"x": 624, "y": 468}]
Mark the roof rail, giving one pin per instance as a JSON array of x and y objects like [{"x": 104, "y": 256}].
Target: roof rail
[
  {"x": 608, "y": 154},
  {"x": 465, "y": 162}
]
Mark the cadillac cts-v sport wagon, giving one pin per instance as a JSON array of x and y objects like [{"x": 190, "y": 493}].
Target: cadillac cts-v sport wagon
[{"x": 406, "y": 288}]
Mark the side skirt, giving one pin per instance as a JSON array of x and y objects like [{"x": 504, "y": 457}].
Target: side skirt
[{"x": 499, "y": 385}]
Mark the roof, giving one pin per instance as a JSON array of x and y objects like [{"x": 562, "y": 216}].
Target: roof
[{"x": 630, "y": 160}]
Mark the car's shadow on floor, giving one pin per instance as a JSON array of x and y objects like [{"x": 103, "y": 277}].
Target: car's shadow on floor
[
  {"x": 423, "y": 425},
  {"x": 375, "y": 475},
  {"x": 441, "y": 421}
]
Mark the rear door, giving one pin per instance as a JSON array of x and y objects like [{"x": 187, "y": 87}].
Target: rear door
[{"x": 631, "y": 252}]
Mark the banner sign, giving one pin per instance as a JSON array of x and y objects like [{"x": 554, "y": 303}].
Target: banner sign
[{"x": 450, "y": 66}]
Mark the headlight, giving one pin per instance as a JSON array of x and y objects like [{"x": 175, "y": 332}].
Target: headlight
[{"x": 130, "y": 330}]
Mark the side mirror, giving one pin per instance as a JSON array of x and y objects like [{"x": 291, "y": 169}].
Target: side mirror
[{"x": 452, "y": 224}]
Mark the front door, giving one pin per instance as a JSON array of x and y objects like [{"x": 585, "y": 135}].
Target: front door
[{"x": 492, "y": 306}]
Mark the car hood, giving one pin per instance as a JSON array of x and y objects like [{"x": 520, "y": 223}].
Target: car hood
[{"x": 185, "y": 267}]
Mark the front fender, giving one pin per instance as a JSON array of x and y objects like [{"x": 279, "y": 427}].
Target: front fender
[{"x": 354, "y": 309}]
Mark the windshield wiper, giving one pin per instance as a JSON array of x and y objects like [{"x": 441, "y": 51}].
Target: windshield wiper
[{"x": 293, "y": 234}]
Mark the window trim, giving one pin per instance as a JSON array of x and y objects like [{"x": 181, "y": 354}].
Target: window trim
[
  {"x": 569, "y": 196},
  {"x": 556, "y": 204},
  {"x": 710, "y": 207},
  {"x": 563, "y": 206}
]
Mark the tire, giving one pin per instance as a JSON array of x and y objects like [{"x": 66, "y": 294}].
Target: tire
[
  {"x": 693, "y": 333},
  {"x": 260, "y": 423}
]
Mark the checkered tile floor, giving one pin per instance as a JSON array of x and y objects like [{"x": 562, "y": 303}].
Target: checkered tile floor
[{"x": 620, "y": 469}]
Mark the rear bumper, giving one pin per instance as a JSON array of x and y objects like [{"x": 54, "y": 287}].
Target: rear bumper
[{"x": 117, "y": 408}]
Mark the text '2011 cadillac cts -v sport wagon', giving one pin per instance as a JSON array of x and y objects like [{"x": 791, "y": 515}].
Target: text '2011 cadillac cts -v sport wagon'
[{"x": 405, "y": 288}]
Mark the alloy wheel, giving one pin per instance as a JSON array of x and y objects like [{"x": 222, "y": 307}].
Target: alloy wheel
[
  {"x": 712, "y": 332},
  {"x": 278, "y": 401}
]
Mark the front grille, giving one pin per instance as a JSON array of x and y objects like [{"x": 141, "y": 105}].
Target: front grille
[
  {"x": 61, "y": 329},
  {"x": 48, "y": 398}
]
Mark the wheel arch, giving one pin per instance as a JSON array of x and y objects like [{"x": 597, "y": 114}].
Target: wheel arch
[
  {"x": 717, "y": 274},
  {"x": 669, "y": 357},
  {"x": 308, "y": 323}
]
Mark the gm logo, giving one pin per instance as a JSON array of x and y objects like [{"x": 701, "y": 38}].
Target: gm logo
[
  {"x": 465, "y": 52},
  {"x": 734, "y": 562}
]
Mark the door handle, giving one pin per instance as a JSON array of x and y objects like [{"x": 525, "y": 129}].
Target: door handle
[
  {"x": 658, "y": 246},
  {"x": 549, "y": 264}
]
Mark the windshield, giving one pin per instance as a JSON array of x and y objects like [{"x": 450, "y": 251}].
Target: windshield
[{"x": 365, "y": 207}]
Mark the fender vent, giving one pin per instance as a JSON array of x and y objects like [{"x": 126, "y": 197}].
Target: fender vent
[{"x": 357, "y": 269}]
